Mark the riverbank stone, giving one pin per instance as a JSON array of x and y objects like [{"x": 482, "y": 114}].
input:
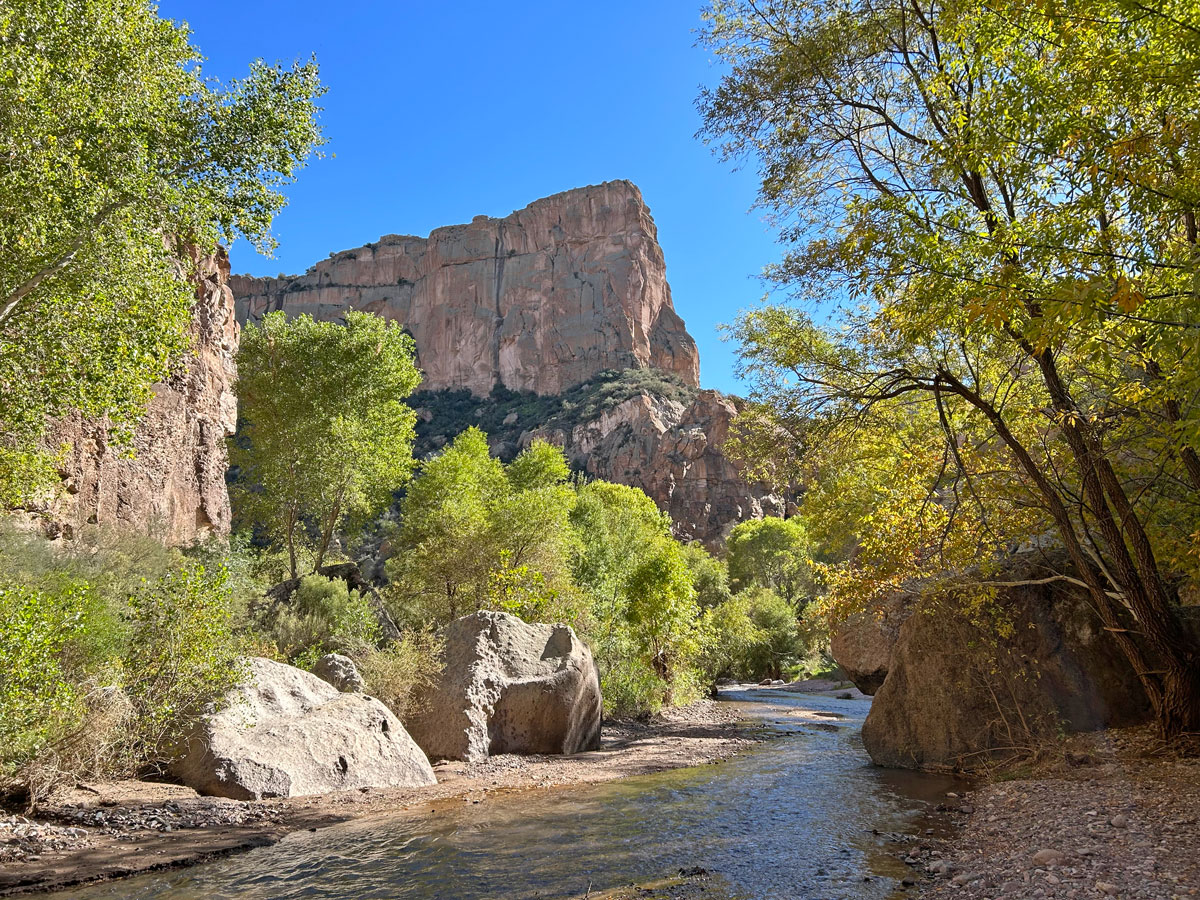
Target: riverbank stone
[
  {"x": 284, "y": 732},
  {"x": 510, "y": 687}
]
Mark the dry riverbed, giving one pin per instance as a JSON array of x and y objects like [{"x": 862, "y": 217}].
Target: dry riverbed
[
  {"x": 1112, "y": 817},
  {"x": 99, "y": 831}
]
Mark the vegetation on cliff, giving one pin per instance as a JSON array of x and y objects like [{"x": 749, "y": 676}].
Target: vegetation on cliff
[
  {"x": 1000, "y": 202},
  {"x": 119, "y": 152}
]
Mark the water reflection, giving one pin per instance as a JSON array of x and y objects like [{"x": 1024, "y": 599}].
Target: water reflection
[{"x": 803, "y": 816}]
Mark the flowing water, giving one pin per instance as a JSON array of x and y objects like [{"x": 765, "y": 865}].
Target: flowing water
[{"x": 802, "y": 816}]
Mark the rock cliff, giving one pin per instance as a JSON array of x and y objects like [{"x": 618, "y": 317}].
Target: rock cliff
[
  {"x": 672, "y": 451},
  {"x": 540, "y": 300},
  {"x": 517, "y": 320},
  {"x": 173, "y": 486}
]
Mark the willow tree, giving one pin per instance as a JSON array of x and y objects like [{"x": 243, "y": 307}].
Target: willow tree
[
  {"x": 119, "y": 158},
  {"x": 993, "y": 213}
]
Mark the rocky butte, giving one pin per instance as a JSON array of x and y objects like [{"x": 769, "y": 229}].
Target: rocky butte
[
  {"x": 539, "y": 301},
  {"x": 567, "y": 297}
]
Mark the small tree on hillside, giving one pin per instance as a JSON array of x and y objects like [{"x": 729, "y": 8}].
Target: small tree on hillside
[{"x": 326, "y": 436}]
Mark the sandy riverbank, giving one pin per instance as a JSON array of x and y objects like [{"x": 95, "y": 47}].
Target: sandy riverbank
[
  {"x": 1113, "y": 815},
  {"x": 102, "y": 831}
]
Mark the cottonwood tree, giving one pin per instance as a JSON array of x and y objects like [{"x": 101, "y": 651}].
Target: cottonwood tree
[
  {"x": 477, "y": 534},
  {"x": 326, "y": 437},
  {"x": 1000, "y": 201},
  {"x": 772, "y": 553},
  {"x": 118, "y": 154}
]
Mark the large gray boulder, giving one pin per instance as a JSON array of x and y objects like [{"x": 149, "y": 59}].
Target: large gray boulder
[
  {"x": 510, "y": 687},
  {"x": 284, "y": 732}
]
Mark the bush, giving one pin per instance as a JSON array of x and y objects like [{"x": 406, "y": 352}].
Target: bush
[
  {"x": 39, "y": 698},
  {"x": 323, "y": 616},
  {"x": 182, "y": 656},
  {"x": 396, "y": 673},
  {"x": 97, "y": 681}
]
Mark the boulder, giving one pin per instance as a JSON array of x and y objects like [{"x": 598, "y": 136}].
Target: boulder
[
  {"x": 340, "y": 672},
  {"x": 862, "y": 645},
  {"x": 959, "y": 691},
  {"x": 510, "y": 687},
  {"x": 284, "y": 732}
]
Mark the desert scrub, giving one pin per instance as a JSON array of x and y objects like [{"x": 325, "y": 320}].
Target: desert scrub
[
  {"x": 397, "y": 673},
  {"x": 322, "y": 616},
  {"x": 98, "y": 686},
  {"x": 182, "y": 657}
]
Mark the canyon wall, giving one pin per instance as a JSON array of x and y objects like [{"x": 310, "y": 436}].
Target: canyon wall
[
  {"x": 173, "y": 486},
  {"x": 540, "y": 300},
  {"x": 672, "y": 451},
  {"x": 570, "y": 290}
]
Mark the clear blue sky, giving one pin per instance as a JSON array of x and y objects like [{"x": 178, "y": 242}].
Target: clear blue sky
[{"x": 438, "y": 112}]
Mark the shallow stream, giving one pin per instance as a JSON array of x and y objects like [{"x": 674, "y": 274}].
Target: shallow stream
[{"x": 804, "y": 815}]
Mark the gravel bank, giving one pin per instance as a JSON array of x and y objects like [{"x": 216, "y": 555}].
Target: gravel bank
[{"x": 1112, "y": 818}]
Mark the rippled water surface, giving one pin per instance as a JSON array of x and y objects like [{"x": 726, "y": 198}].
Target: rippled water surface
[{"x": 803, "y": 816}]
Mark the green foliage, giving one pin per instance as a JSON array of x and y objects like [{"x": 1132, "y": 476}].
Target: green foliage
[
  {"x": 120, "y": 156},
  {"x": 1011, "y": 246},
  {"x": 478, "y": 535},
  {"x": 771, "y": 553},
  {"x": 755, "y": 634},
  {"x": 326, "y": 438},
  {"x": 182, "y": 656},
  {"x": 661, "y": 612},
  {"x": 322, "y": 616},
  {"x": 101, "y": 665},
  {"x": 710, "y": 576},
  {"x": 398, "y": 672},
  {"x": 453, "y": 411},
  {"x": 38, "y": 698}
]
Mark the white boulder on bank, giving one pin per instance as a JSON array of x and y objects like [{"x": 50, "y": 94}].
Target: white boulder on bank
[
  {"x": 510, "y": 687},
  {"x": 284, "y": 732}
]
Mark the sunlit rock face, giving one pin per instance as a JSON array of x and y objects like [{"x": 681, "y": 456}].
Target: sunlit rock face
[
  {"x": 673, "y": 452},
  {"x": 172, "y": 486},
  {"x": 540, "y": 300}
]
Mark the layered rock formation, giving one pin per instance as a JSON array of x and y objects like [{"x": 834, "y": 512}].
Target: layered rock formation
[
  {"x": 286, "y": 733},
  {"x": 510, "y": 687},
  {"x": 540, "y": 300},
  {"x": 567, "y": 290},
  {"x": 173, "y": 486}
]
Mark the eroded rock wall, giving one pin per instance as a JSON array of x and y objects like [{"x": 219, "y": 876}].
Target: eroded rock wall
[
  {"x": 672, "y": 451},
  {"x": 540, "y": 300},
  {"x": 173, "y": 486},
  {"x": 963, "y": 686}
]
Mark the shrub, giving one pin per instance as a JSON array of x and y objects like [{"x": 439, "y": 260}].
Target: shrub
[
  {"x": 397, "y": 673},
  {"x": 39, "y": 700},
  {"x": 323, "y": 616},
  {"x": 182, "y": 656}
]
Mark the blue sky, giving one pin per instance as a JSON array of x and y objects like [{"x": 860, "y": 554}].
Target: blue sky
[{"x": 438, "y": 112}]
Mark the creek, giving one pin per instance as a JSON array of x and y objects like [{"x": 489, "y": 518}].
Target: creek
[{"x": 801, "y": 815}]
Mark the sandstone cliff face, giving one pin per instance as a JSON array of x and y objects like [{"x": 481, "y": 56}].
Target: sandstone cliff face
[
  {"x": 540, "y": 300},
  {"x": 673, "y": 452},
  {"x": 173, "y": 488}
]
